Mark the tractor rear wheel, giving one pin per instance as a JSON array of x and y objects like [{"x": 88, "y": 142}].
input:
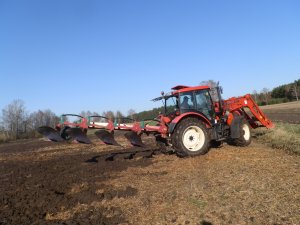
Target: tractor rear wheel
[{"x": 190, "y": 138}]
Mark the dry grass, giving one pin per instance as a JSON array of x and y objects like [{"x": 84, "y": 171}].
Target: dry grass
[
  {"x": 283, "y": 136},
  {"x": 226, "y": 186},
  {"x": 66, "y": 214},
  {"x": 4, "y": 137}
]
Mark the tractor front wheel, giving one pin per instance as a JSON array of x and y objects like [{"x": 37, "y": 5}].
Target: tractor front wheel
[
  {"x": 190, "y": 138},
  {"x": 245, "y": 138}
]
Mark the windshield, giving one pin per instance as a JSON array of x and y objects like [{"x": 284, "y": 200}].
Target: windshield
[
  {"x": 171, "y": 105},
  {"x": 204, "y": 103},
  {"x": 196, "y": 101}
]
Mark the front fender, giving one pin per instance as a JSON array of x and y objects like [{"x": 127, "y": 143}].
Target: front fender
[{"x": 175, "y": 121}]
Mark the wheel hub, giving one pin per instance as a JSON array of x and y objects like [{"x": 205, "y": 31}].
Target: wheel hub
[
  {"x": 246, "y": 132},
  {"x": 193, "y": 138}
]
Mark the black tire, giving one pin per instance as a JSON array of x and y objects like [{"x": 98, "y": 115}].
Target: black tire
[
  {"x": 163, "y": 145},
  {"x": 245, "y": 138},
  {"x": 216, "y": 144},
  {"x": 64, "y": 134},
  {"x": 184, "y": 141}
]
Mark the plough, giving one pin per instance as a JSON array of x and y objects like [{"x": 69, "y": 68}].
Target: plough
[
  {"x": 77, "y": 131},
  {"x": 192, "y": 122}
]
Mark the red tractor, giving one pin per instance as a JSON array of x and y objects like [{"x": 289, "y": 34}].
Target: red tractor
[
  {"x": 194, "y": 119},
  {"x": 197, "y": 118}
]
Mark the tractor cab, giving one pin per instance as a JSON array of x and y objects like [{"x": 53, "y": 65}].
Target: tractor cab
[{"x": 184, "y": 99}]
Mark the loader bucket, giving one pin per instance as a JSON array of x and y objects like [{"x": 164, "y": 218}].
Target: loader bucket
[
  {"x": 50, "y": 133},
  {"x": 78, "y": 135},
  {"x": 106, "y": 137},
  {"x": 134, "y": 139}
]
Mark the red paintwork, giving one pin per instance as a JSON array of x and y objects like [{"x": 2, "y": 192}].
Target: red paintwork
[
  {"x": 82, "y": 124},
  {"x": 237, "y": 103},
  {"x": 230, "y": 118},
  {"x": 179, "y": 118},
  {"x": 181, "y": 89},
  {"x": 166, "y": 119},
  {"x": 136, "y": 128},
  {"x": 110, "y": 126},
  {"x": 162, "y": 128}
]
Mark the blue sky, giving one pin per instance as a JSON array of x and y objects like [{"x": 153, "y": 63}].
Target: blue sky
[{"x": 69, "y": 55}]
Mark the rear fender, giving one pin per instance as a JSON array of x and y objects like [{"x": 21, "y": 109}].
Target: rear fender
[{"x": 200, "y": 116}]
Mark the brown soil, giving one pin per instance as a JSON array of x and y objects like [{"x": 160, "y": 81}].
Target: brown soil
[
  {"x": 50, "y": 183},
  {"x": 286, "y": 112}
]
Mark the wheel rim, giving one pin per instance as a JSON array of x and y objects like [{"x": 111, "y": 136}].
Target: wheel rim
[
  {"x": 193, "y": 138},
  {"x": 246, "y": 130}
]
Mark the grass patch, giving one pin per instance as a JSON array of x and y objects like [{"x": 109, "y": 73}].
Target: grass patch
[
  {"x": 5, "y": 137},
  {"x": 283, "y": 136},
  {"x": 197, "y": 202}
]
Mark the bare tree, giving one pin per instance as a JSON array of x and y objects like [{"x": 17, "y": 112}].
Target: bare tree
[
  {"x": 13, "y": 116},
  {"x": 86, "y": 114},
  {"x": 131, "y": 114},
  {"x": 42, "y": 118},
  {"x": 255, "y": 95},
  {"x": 210, "y": 83},
  {"x": 109, "y": 114},
  {"x": 119, "y": 116},
  {"x": 296, "y": 91},
  {"x": 266, "y": 94},
  {"x": 96, "y": 119},
  {"x": 213, "y": 91}
]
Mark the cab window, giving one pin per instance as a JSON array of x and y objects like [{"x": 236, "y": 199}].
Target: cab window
[
  {"x": 186, "y": 102},
  {"x": 204, "y": 103}
]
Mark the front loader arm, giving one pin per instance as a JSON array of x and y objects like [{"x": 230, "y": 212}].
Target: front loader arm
[{"x": 240, "y": 103}]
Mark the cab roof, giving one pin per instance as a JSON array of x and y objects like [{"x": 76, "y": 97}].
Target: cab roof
[
  {"x": 180, "y": 89},
  {"x": 183, "y": 88}
]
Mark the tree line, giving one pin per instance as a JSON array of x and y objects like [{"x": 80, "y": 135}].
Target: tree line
[
  {"x": 281, "y": 94},
  {"x": 17, "y": 122}
]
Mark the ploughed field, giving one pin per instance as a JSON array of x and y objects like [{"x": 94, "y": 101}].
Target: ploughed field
[
  {"x": 52, "y": 183},
  {"x": 285, "y": 112}
]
